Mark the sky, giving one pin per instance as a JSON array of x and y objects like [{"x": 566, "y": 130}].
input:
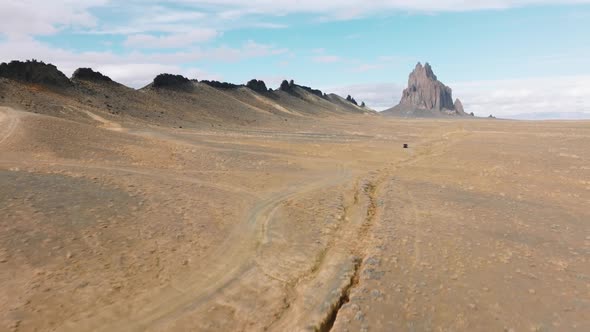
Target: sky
[{"x": 510, "y": 58}]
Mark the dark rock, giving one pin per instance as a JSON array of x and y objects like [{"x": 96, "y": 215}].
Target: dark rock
[
  {"x": 221, "y": 85},
  {"x": 88, "y": 74},
  {"x": 169, "y": 81},
  {"x": 285, "y": 86},
  {"x": 34, "y": 71},
  {"x": 290, "y": 88},
  {"x": 351, "y": 100},
  {"x": 363, "y": 105},
  {"x": 258, "y": 86},
  {"x": 315, "y": 92}
]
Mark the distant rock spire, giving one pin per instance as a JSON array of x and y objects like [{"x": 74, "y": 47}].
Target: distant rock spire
[{"x": 426, "y": 92}]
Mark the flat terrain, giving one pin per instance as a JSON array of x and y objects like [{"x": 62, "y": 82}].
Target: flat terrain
[{"x": 327, "y": 224}]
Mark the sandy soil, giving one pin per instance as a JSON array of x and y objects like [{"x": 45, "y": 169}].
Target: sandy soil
[{"x": 320, "y": 225}]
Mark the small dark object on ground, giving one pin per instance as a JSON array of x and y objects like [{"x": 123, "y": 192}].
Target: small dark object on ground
[{"x": 406, "y": 146}]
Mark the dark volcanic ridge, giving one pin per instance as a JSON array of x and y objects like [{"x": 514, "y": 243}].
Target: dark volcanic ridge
[
  {"x": 222, "y": 85},
  {"x": 426, "y": 96},
  {"x": 169, "y": 100},
  {"x": 173, "y": 82},
  {"x": 87, "y": 74},
  {"x": 257, "y": 86},
  {"x": 33, "y": 71}
]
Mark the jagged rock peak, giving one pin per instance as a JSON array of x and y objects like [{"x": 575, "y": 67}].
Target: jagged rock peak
[
  {"x": 425, "y": 70},
  {"x": 426, "y": 92}
]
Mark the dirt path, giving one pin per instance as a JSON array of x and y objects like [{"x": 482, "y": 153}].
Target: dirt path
[
  {"x": 9, "y": 120},
  {"x": 106, "y": 124},
  {"x": 226, "y": 265}
]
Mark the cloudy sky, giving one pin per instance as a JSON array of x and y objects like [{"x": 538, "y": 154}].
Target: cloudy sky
[{"x": 525, "y": 58}]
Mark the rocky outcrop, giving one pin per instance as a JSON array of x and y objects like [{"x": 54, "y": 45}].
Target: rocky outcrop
[
  {"x": 286, "y": 86},
  {"x": 87, "y": 74},
  {"x": 174, "y": 82},
  {"x": 290, "y": 87},
  {"x": 257, "y": 86},
  {"x": 34, "y": 71},
  {"x": 221, "y": 85},
  {"x": 351, "y": 100},
  {"x": 459, "y": 107},
  {"x": 426, "y": 96}
]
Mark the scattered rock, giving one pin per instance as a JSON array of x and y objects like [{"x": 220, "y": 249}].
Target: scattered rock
[{"x": 351, "y": 100}]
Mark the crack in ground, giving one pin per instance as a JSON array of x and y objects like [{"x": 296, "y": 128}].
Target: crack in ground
[
  {"x": 328, "y": 324},
  {"x": 370, "y": 190}
]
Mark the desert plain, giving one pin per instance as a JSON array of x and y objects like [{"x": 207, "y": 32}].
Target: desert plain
[{"x": 319, "y": 224}]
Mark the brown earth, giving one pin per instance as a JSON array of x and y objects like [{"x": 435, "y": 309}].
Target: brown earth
[{"x": 111, "y": 221}]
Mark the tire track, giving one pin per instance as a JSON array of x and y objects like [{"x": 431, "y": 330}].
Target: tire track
[{"x": 233, "y": 258}]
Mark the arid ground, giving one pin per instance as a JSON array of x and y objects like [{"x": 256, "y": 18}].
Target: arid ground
[{"x": 319, "y": 224}]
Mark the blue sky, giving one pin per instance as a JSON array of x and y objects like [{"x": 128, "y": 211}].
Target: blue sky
[{"x": 505, "y": 57}]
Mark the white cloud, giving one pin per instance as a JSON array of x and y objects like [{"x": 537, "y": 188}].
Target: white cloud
[
  {"x": 347, "y": 9},
  {"x": 138, "y": 74},
  {"x": 326, "y": 59},
  {"x": 365, "y": 67},
  {"x": 133, "y": 69},
  {"x": 177, "y": 40},
  {"x": 505, "y": 98},
  {"x": 41, "y": 17},
  {"x": 378, "y": 96}
]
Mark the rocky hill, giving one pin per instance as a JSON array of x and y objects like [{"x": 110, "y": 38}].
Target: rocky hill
[
  {"x": 426, "y": 96},
  {"x": 88, "y": 74},
  {"x": 170, "y": 100},
  {"x": 173, "y": 82},
  {"x": 36, "y": 72}
]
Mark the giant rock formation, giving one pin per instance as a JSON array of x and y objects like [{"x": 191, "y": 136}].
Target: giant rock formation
[{"x": 426, "y": 96}]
